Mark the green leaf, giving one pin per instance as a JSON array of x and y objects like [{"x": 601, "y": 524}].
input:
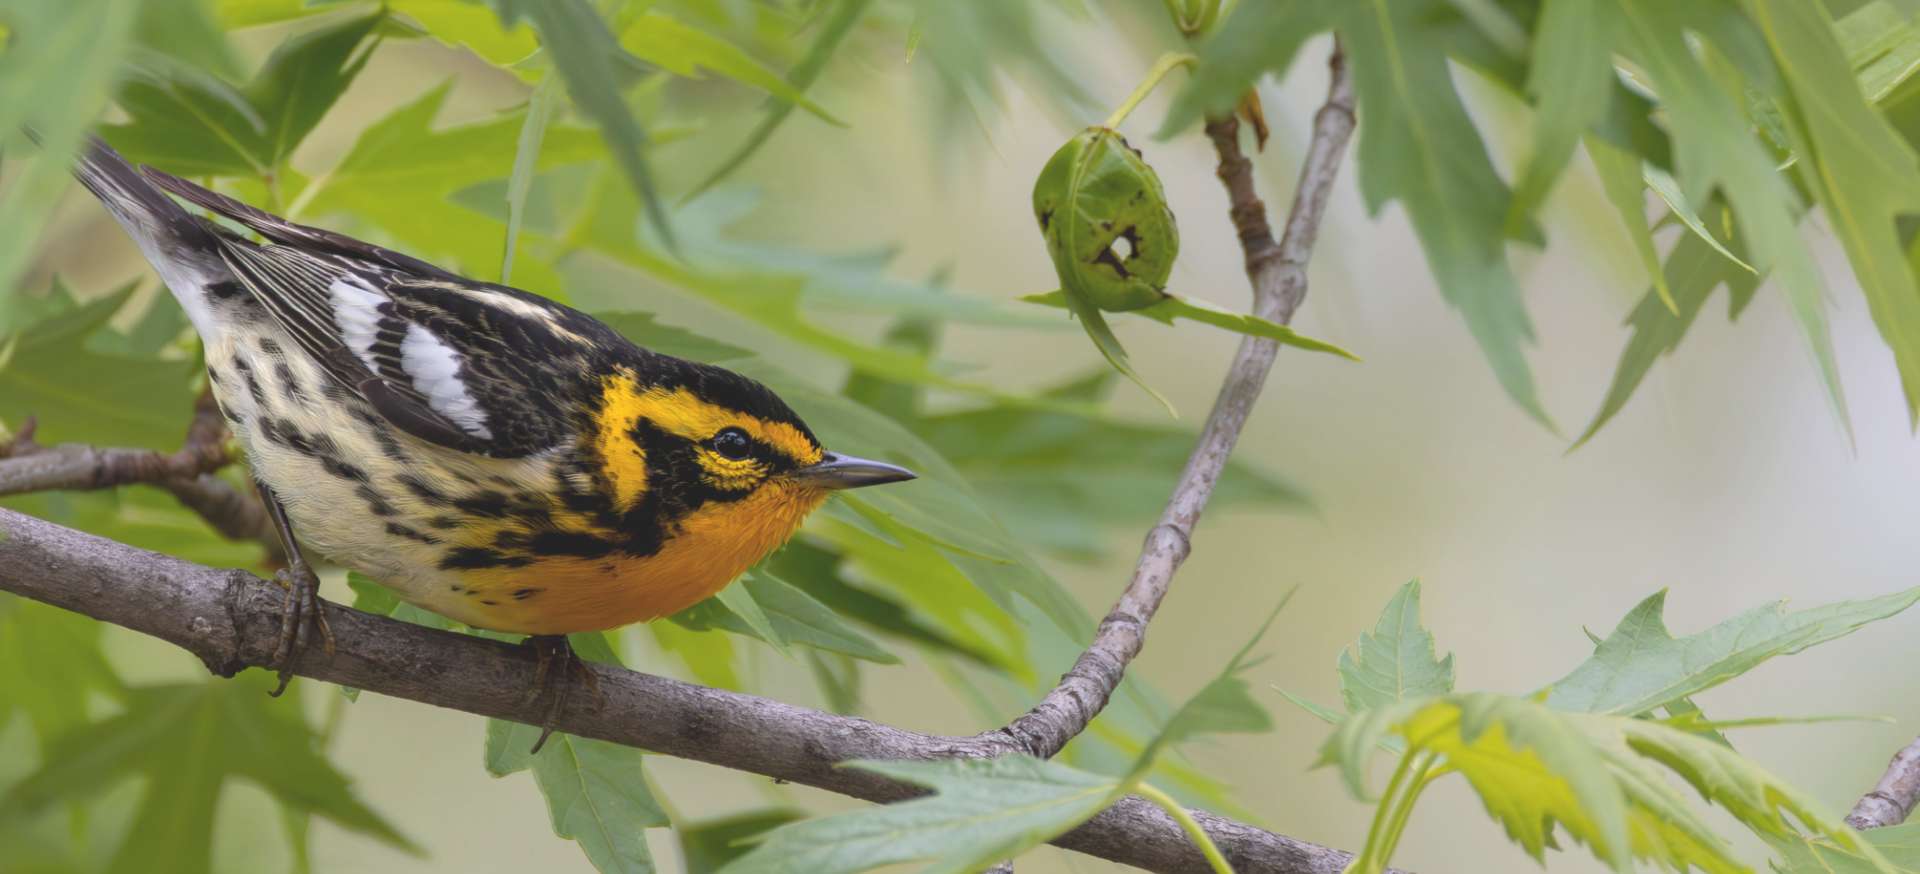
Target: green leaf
[
  {"x": 48, "y": 370},
  {"x": 1863, "y": 172},
  {"x": 1570, "y": 82},
  {"x": 1641, "y": 666},
  {"x": 984, "y": 810},
  {"x": 708, "y": 845},
  {"x": 1396, "y": 661},
  {"x": 1682, "y": 211},
  {"x": 641, "y": 328},
  {"x": 593, "y": 64},
  {"x": 470, "y": 26},
  {"x": 188, "y": 122},
  {"x": 56, "y": 73},
  {"x": 1693, "y": 270},
  {"x": 402, "y": 174},
  {"x": 1418, "y": 146},
  {"x": 1062, "y": 481},
  {"x": 846, "y": 13},
  {"x": 187, "y": 741},
  {"x": 1601, "y": 778},
  {"x": 51, "y": 666},
  {"x": 597, "y": 796},
  {"x": 1255, "y": 39},
  {"x": 660, "y": 39},
  {"x": 740, "y": 602},
  {"x": 1109, "y": 232},
  {"x": 1806, "y": 854},
  {"x": 185, "y": 30},
  {"x": 1715, "y": 150},
  {"x": 1621, "y": 179},
  {"x": 526, "y": 157},
  {"x": 1172, "y": 307},
  {"x": 787, "y": 615}
]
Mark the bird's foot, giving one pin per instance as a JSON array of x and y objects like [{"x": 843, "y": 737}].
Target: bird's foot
[
  {"x": 554, "y": 669},
  {"x": 300, "y": 609}
]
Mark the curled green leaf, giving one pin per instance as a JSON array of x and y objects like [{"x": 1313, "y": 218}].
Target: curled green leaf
[{"x": 1105, "y": 219}]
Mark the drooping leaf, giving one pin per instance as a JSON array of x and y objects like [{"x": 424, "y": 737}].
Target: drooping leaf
[
  {"x": 1642, "y": 666},
  {"x": 1396, "y": 661},
  {"x": 846, "y": 13},
  {"x": 1693, "y": 270},
  {"x": 1861, "y": 170},
  {"x": 598, "y": 797},
  {"x": 985, "y": 810},
  {"x": 593, "y": 64},
  {"x": 1620, "y": 178},
  {"x": 1715, "y": 149},
  {"x": 1419, "y": 147},
  {"x": 1570, "y": 81},
  {"x": 1172, "y": 307},
  {"x": 186, "y": 30},
  {"x": 187, "y": 741}
]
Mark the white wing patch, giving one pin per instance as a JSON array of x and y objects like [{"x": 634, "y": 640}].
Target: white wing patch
[
  {"x": 356, "y": 309},
  {"x": 435, "y": 369}
]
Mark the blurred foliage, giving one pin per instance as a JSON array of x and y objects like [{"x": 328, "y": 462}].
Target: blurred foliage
[{"x": 1740, "y": 117}]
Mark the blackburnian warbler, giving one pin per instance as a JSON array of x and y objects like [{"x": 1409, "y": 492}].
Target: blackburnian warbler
[{"x": 490, "y": 455}]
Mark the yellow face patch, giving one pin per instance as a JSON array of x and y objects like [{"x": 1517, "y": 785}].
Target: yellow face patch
[
  {"x": 622, "y": 457},
  {"x": 678, "y": 411}
]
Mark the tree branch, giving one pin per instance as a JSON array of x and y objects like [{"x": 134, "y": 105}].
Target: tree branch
[
  {"x": 230, "y": 619},
  {"x": 238, "y": 514},
  {"x": 1893, "y": 798},
  {"x": 1278, "y": 272}
]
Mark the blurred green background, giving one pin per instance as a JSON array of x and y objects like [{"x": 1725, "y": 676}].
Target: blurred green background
[{"x": 1727, "y": 479}]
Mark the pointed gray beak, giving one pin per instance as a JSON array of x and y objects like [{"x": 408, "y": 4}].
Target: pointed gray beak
[{"x": 847, "y": 472}]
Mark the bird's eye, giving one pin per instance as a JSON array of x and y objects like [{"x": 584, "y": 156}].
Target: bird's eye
[{"x": 732, "y": 443}]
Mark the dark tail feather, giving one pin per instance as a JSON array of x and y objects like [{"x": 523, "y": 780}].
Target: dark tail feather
[{"x": 182, "y": 248}]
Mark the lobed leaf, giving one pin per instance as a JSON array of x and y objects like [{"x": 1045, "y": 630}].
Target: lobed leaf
[
  {"x": 1396, "y": 661},
  {"x": 1641, "y": 666}
]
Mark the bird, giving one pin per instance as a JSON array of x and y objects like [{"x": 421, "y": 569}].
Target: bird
[{"x": 490, "y": 455}]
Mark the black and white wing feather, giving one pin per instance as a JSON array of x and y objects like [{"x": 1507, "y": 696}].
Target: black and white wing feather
[{"x": 472, "y": 366}]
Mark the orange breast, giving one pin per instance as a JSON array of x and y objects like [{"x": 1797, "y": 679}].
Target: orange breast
[{"x": 708, "y": 549}]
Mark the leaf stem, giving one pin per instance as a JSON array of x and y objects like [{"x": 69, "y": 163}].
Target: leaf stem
[
  {"x": 1160, "y": 69},
  {"x": 1187, "y": 823},
  {"x": 1366, "y": 862}
]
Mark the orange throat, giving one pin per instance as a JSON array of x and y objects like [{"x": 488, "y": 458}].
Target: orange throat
[{"x": 708, "y": 549}]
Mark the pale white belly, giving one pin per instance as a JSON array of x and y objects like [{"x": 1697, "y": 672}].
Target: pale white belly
[{"x": 359, "y": 492}]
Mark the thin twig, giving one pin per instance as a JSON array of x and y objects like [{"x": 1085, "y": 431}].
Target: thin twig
[
  {"x": 237, "y": 514},
  {"x": 231, "y": 619},
  {"x": 1893, "y": 798},
  {"x": 1278, "y": 272}
]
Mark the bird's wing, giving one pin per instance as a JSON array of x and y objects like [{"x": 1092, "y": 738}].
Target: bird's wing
[{"x": 468, "y": 365}]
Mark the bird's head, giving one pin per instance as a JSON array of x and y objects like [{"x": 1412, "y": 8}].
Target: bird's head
[{"x": 704, "y": 449}]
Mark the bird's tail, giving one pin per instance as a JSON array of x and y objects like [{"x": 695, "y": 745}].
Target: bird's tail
[{"x": 183, "y": 249}]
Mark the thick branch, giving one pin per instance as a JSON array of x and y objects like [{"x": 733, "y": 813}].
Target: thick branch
[
  {"x": 231, "y": 620},
  {"x": 1278, "y": 272},
  {"x": 1893, "y": 798}
]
